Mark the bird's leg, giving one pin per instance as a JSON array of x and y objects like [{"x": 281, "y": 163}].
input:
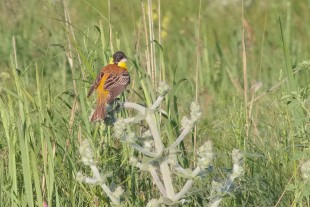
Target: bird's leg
[
  {"x": 110, "y": 118},
  {"x": 118, "y": 105},
  {"x": 114, "y": 107}
]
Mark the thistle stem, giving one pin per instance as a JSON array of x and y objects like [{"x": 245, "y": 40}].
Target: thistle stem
[
  {"x": 180, "y": 138},
  {"x": 157, "y": 181},
  {"x": 166, "y": 176}
]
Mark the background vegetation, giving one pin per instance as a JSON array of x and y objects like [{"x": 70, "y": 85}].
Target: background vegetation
[{"x": 209, "y": 51}]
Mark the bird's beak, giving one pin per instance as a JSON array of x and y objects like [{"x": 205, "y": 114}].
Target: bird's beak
[{"x": 123, "y": 60}]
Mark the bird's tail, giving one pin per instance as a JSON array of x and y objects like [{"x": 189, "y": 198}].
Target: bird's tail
[{"x": 99, "y": 113}]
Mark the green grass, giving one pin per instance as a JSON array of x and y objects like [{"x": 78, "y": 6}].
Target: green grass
[{"x": 44, "y": 109}]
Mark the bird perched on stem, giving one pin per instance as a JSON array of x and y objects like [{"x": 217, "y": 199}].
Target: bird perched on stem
[{"x": 110, "y": 82}]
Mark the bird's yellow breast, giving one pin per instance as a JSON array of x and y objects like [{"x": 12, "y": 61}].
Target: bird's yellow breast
[{"x": 100, "y": 89}]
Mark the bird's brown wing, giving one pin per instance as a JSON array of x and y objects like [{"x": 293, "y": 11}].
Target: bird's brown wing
[
  {"x": 96, "y": 83},
  {"x": 116, "y": 84}
]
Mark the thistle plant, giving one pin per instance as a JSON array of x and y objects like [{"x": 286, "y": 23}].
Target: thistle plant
[
  {"x": 97, "y": 179},
  {"x": 220, "y": 189},
  {"x": 160, "y": 160}
]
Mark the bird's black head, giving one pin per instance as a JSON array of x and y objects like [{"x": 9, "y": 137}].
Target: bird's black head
[{"x": 118, "y": 56}]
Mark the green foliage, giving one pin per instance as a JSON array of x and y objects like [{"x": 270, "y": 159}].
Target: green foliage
[{"x": 44, "y": 110}]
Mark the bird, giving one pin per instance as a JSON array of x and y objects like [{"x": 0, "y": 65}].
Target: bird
[{"x": 109, "y": 83}]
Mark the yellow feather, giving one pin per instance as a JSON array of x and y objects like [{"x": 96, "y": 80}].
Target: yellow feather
[
  {"x": 100, "y": 90},
  {"x": 111, "y": 60}
]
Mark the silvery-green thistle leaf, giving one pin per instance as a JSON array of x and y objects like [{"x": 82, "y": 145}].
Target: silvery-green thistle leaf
[
  {"x": 173, "y": 159},
  {"x": 237, "y": 171},
  {"x": 186, "y": 123},
  {"x": 118, "y": 192},
  {"x": 133, "y": 161},
  {"x": 305, "y": 170},
  {"x": 149, "y": 145},
  {"x": 163, "y": 88},
  {"x": 120, "y": 128},
  {"x": 237, "y": 158},
  {"x": 305, "y": 64},
  {"x": 216, "y": 186},
  {"x": 205, "y": 154},
  {"x": 86, "y": 153},
  {"x": 216, "y": 202},
  {"x": 79, "y": 176},
  {"x": 130, "y": 137},
  {"x": 195, "y": 111},
  {"x": 153, "y": 203},
  {"x": 147, "y": 134}
]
